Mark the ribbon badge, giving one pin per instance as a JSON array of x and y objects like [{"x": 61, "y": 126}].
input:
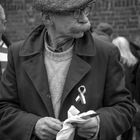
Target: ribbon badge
[{"x": 81, "y": 96}]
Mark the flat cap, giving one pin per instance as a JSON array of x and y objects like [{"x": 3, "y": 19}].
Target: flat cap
[{"x": 60, "y": 6}]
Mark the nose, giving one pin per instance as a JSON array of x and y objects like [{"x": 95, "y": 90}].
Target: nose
[{"x": 83, "y": 18}]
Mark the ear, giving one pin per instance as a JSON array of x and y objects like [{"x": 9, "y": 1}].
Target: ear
[{"x": 46, "y": 20}]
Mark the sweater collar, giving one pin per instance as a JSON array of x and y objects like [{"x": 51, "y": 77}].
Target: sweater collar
[{"x": 34, "y": 43}]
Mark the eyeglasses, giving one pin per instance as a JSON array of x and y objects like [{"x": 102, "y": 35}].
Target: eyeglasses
[
  {"x": 84, "y": 10},
  {"x": 78, "y": 12}
]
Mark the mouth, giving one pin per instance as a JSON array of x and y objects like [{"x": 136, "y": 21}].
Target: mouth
[
  {"x": 80, "y": 29},
  {"x": 78, "y": 32}
]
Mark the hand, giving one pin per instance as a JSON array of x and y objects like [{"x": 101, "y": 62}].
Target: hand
[
  {"x": 89, "y": 128},
  {"x": 46, "y": 128}
]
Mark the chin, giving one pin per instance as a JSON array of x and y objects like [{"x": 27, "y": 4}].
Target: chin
[{"x": 78, "y": 35}]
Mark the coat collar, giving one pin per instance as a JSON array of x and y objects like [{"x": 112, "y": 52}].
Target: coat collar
[{"x": 35, "y": 43}]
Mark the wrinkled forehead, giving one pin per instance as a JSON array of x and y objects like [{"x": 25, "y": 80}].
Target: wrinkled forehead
[{"x": 2, "y": 13}]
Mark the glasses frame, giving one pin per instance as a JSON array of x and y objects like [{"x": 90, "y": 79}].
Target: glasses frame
[{"x": 78, "y": 12}]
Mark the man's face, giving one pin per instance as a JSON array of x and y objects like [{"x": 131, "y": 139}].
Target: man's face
[
  {"x": 2, "y": 23},
  {"x": 73, "y": 24}
]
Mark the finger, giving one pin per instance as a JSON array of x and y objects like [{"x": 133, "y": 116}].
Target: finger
[
  {"x": 50, "y": 131},
  {"x": 47, "y": 135},
  {"x": 83, "y": 135},
  {"x": 56, "y": 121},
  {"x": 85, "y": 117},
  {"x": 54, "y": 124},
  {"x": 90, "y": 123},
  {"x": 44, "y": 135},
  {"x": 87, "y": 126},
  {"x": 87, "y": 130},
  {"x": 86, "y": 135}
]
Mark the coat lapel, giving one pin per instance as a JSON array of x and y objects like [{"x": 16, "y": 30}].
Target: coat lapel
[
  {"x": 78, "y": 69},
  {"x": 36, "y": 71},
  {"x": 34, "y": 66}
]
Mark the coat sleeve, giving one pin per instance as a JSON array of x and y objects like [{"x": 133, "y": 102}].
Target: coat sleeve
[
  {"x": 118, "y": 111},
  {"x": 14, "y": 122}
]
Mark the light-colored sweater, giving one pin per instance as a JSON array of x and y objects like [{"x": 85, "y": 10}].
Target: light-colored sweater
[{"x": 57, "y": 66}]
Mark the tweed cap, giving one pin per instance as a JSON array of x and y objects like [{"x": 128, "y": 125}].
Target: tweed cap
[{"x": 60, "y": 6}]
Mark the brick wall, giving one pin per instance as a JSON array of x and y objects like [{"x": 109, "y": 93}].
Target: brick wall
[
  {"x": 123, "y": 15},
  {"x": 21, "y": 17}
]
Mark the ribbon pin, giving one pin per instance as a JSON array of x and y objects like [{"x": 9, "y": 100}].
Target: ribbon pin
[{"x": 81, "y": 96}]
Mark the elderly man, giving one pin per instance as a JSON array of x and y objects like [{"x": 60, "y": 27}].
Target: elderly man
[
  {"x": 4, "y": 43},
  {"x": 46, "y": 71}
]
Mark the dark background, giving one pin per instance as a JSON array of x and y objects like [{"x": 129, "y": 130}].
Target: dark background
[{"x": 123, "y": 15}]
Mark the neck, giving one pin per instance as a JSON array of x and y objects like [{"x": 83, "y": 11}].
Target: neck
[{"x": 57, "y": 41}]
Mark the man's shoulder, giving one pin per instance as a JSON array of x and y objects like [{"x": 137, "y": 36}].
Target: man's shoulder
[
  {"x": 17, "y": 45},
  {"x": 105, "y": 49},
  {"x": 103, "y": 45}
]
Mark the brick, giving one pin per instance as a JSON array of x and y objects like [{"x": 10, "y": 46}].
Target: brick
[{"x": 124, "y": 15}]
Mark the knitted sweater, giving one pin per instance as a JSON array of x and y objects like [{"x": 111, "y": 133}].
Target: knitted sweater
[{"x": 57, "y": 66}]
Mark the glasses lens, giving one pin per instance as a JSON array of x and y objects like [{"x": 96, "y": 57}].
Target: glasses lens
[
  {"x": 77, "y": 13},
  {"x": 87, "y": 10},
  {"x": 84, "y": 11}
]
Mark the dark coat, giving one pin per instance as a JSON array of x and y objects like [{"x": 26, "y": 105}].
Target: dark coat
[
  {"x": 25, "y": 95},
  {"x": 101, "y": 35}
]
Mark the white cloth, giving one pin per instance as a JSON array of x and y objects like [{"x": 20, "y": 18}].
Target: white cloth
[
  {"x": 68, "y": 131},
  {"x": 3, "y": 56}
]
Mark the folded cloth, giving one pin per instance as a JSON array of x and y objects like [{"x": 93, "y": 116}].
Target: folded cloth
[{"x": 68, "y": 130}]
